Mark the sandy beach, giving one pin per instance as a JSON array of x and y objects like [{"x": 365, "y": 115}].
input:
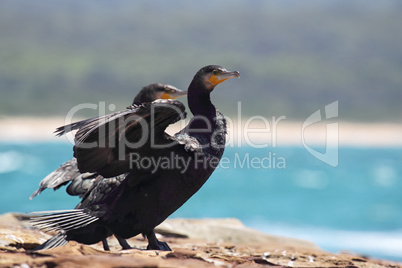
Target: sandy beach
[{"x": 246, "y": 132}]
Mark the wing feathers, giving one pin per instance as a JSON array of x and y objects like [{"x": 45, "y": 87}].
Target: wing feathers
[
  {"x": 65, "y": 173},
  {"x": 104, "y": 147}
]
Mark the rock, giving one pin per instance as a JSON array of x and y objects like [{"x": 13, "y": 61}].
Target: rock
[
  {"x": 224, "y": 230},
  {"x": 195, "y": 243}
]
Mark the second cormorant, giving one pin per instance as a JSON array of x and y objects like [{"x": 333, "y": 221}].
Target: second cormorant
[{"x": 68, "y": 171}]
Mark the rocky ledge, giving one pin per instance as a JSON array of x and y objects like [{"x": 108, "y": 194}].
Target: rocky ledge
[{"x": 195, "y": 243}]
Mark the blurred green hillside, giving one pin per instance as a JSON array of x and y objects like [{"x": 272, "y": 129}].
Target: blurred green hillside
[{"x": 294, "y": 56}]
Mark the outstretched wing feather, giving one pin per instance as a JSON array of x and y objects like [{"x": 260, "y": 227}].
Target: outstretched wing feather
[
  {"x": 104, "y": 147},
  {"x": 89, "y": 122},
  {"x": 61, "y": 176}
]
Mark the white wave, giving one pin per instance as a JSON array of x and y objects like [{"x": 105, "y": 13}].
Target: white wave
[
  {"x": 310, "y": 179},
  {"x": 10, "y": 161}
]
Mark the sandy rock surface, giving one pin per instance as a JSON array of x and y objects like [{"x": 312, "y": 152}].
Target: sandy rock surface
[{"x": 195, "y": 243}]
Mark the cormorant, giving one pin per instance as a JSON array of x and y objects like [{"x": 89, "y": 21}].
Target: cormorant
[
  {"x": 151, "y": 191},
  {"x": 81, "y": 182}
]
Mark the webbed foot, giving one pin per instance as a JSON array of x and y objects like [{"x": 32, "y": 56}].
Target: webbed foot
[
  {"x": 155, "y": 244},
  {"x": 160, "y": 246}
]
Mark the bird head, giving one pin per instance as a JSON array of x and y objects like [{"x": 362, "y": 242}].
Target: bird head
[
  {"x": 213, "y": 75},
  {"x": 158, "y": 91}
]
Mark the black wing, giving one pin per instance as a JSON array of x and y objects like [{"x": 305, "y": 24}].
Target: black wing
[
  {"x": 104, "y": 145},
  {"x": 60, "y": 131},
  {"x": 82, "y": 183}
]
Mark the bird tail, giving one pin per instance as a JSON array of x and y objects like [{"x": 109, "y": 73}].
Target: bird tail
[
  {"x": 61, "y": 220},
  {"x": 56, "y": 241}
]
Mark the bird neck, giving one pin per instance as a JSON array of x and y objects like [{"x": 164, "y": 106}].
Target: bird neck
[
  {"x": 200, "y": 105},
  {"x": 142, "y": 97}
]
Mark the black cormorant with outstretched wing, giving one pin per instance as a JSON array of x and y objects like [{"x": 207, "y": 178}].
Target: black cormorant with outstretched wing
[
  {"x": 161, "y": 171},
  {"x": 83, "y": 182},
  {"x": 68, "y": 171}
]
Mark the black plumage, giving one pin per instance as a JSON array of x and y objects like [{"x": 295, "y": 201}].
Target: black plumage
[
  {"x": 81, "y": 183},
  {"x": 148, "y": 194},
  {"x": 68, "y": 171}
]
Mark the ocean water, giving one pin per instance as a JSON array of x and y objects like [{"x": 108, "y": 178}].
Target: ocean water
[{"x": 356, "y": 206}]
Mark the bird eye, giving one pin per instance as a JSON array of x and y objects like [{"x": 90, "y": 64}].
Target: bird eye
[
  {"x": 215, "y": 72},
  {"x": 168, "y": 90}
]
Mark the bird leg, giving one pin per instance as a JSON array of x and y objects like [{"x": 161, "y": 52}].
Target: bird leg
[
  {"x": 105, "y": 245},
  {"x": 123, "y": 243},
  {"x": 155, "y": 244}
]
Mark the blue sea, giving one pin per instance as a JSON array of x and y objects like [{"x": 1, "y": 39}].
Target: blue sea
[{"x": 355, "y": 206}]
